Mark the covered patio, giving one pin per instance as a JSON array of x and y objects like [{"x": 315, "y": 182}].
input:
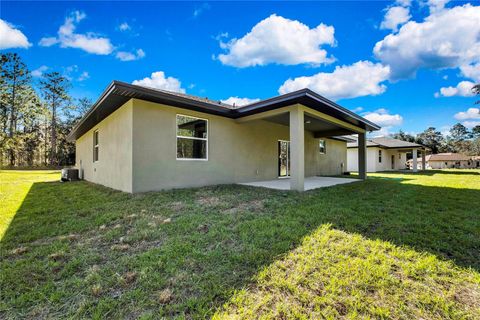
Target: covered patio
[
  {"x": 307, "y": 111},
  {"x": 310, "y": 183}
]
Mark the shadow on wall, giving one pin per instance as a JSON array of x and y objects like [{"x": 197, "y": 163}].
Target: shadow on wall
[{"x": 219, "y": 237}]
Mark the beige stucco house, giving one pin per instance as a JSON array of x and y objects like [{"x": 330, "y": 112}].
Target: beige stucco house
[
  {"x": 448, "y": 160},
  {"x": 386, "y": 154},
  {"x": 138, "y": 139}
]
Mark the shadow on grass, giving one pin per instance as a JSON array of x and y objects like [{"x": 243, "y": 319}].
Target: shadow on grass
[{"x": 219, "y": 238}]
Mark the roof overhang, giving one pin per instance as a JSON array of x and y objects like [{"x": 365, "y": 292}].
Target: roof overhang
[{"x": 118, "y": 93}]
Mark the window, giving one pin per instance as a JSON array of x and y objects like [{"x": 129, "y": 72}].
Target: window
[
  {"x": 95, "y": 146},
  {"x": 192, "y": 138},
  {"x": 399, "y": 156},
  {"x": 380, "y": 156},
  {"x": 322, "y": 146}
]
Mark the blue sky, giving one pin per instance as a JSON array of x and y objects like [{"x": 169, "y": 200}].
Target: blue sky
[{"x": 405, "y": 65}]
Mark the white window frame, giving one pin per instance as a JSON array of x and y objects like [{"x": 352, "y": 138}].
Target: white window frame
[
  {"x": 192, "y": 138},
  {"x": 96, "y": 146},
  {"x": 324, "y": 146}
]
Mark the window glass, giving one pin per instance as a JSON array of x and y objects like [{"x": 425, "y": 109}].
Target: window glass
[
  {"x": 379, "y": 155},
  {"x": 322, "y": 146},
  {"x": 192, "y": 138},
  {"x": 95, "y": 146}
]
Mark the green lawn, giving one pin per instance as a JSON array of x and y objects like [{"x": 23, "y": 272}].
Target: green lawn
[{"x": 397, "y": 246}]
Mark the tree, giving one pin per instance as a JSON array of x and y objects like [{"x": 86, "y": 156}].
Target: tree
[
  {"x": 476, "y": 131},
  {"x": 403, "y": 136},
  {"x": 15, "y": 85},
  {"x": 431, "y": 138},
  {"x": 55, "y": 93},
  {"x": 459, "y": 132}
]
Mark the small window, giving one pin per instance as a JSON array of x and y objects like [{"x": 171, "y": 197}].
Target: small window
[
  {"x": 95, "y": 146},
  {"x": 322, "y": 146},
  {"x": 192, "y": 138},
  {"x": 399, "y": 156},
  {"x": 380, "y": 156}
]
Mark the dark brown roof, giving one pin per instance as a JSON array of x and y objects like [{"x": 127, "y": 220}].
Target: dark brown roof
[
  {"x": 387, "y": 143},
  {"x": 117, "y": 93}
]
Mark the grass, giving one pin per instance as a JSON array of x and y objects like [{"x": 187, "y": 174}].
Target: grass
[{"x": 397, "y": 246}]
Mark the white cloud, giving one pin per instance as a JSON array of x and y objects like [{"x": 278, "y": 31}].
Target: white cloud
[
  {"x": 470, "y": 114},
  {"x": 404, "y": 3},
  {"x": 84, "y": 76},
  {"x": 463, "y": 89},
  {"x": 436, "y": 5},
  {"x": 129, "y": 56},
  {"x": 124, "y": 27},
  {"x": 471, "y": 71},
  {"x": 449, "y": 38},
  {"x": 395, "y": 17},
  {"x": 10, "y": 37},
  {"x": 236, "y": 101},
  {"x": 39, "y": 71},
  {"x": 471, "y": 124},
  {"x": 199, "y": 10},
  {"x": 67, "y": 38},
  {"x": 362, "y": 78},
  {"x": 159, "y": 81},
  {"x": 279, "y": 40},
  {"x": 383, "y": 118},
  {"x": 357, "y": 109}
]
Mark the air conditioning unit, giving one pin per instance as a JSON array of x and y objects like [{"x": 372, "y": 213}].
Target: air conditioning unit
[{"x": 69, "y": 174}]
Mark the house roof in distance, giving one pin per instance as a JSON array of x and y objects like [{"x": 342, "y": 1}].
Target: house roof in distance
[
  {"x": 387, "y": 143},
  {"x": 447, "y": 157},
  {"x": 117, "y": 93}
]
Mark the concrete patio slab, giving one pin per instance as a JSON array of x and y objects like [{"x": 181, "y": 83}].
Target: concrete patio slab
[{"x": 310, "y": 183}]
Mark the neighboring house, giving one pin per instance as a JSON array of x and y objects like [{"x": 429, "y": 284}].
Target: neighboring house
[
  {"x": 448, "y": 160},
  {"x": 384, "y": 154},
  {"x": 140, "y": 139},
  {"x": 476, "y": 161}
]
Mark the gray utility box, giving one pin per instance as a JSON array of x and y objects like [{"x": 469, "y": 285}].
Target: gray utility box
[{"x": 69, "y": 174}]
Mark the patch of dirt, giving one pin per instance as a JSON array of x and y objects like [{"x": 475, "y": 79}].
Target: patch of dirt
[
  {"x": 209, "y": 201},
  {"x": 120, "y": 247},
  {"x": 19, "y": 251},
  {"x": 469, "y": 296},
  {"x": 165, "y": 296},
  {"x": 177, "y": 206},
  {"x": 251, "y": 206}
]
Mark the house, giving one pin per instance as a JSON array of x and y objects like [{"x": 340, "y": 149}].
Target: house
[
  {"x": 448, "y": 160},
  {"x": 385, "y": 154},
  {"x": 138, "y": 139}
]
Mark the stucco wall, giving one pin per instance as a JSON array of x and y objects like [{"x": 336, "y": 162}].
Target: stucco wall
[
  {"x": 450, "y": 164},
  {"x": 114, "y": 167},
  {"x": 373, "y": 165},
  {"x": 237, "y": 152}
]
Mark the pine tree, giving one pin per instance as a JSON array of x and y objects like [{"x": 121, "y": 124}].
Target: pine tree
[
  {"x": 15, "y": 85},
  {"x": 54, "y": 88}
]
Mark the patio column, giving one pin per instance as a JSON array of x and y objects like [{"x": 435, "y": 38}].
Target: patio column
[
  {"x": 414, "y": 160},
  {"x": 362, "y": 155},
  {"x": 424, "y": 165},
  {"x": 297, "y": 150}
]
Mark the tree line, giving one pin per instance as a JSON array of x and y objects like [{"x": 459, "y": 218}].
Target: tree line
[
  {"x": 36, "y": 116},
  {"x": 459, "y": 140}
]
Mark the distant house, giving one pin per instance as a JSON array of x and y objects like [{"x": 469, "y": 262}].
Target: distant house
[
  {"x": 139, "y": 139},
  {"x": 449, "y": 160},
  {"x": 385, "y": 154}
]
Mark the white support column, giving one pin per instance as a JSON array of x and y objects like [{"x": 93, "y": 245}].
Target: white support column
[
  {"x": 362, "y": 155},
  {"x": 414, "y": 160},
  {"x": 424, "y": 164},
  {"x": 297, "y": 150}
]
